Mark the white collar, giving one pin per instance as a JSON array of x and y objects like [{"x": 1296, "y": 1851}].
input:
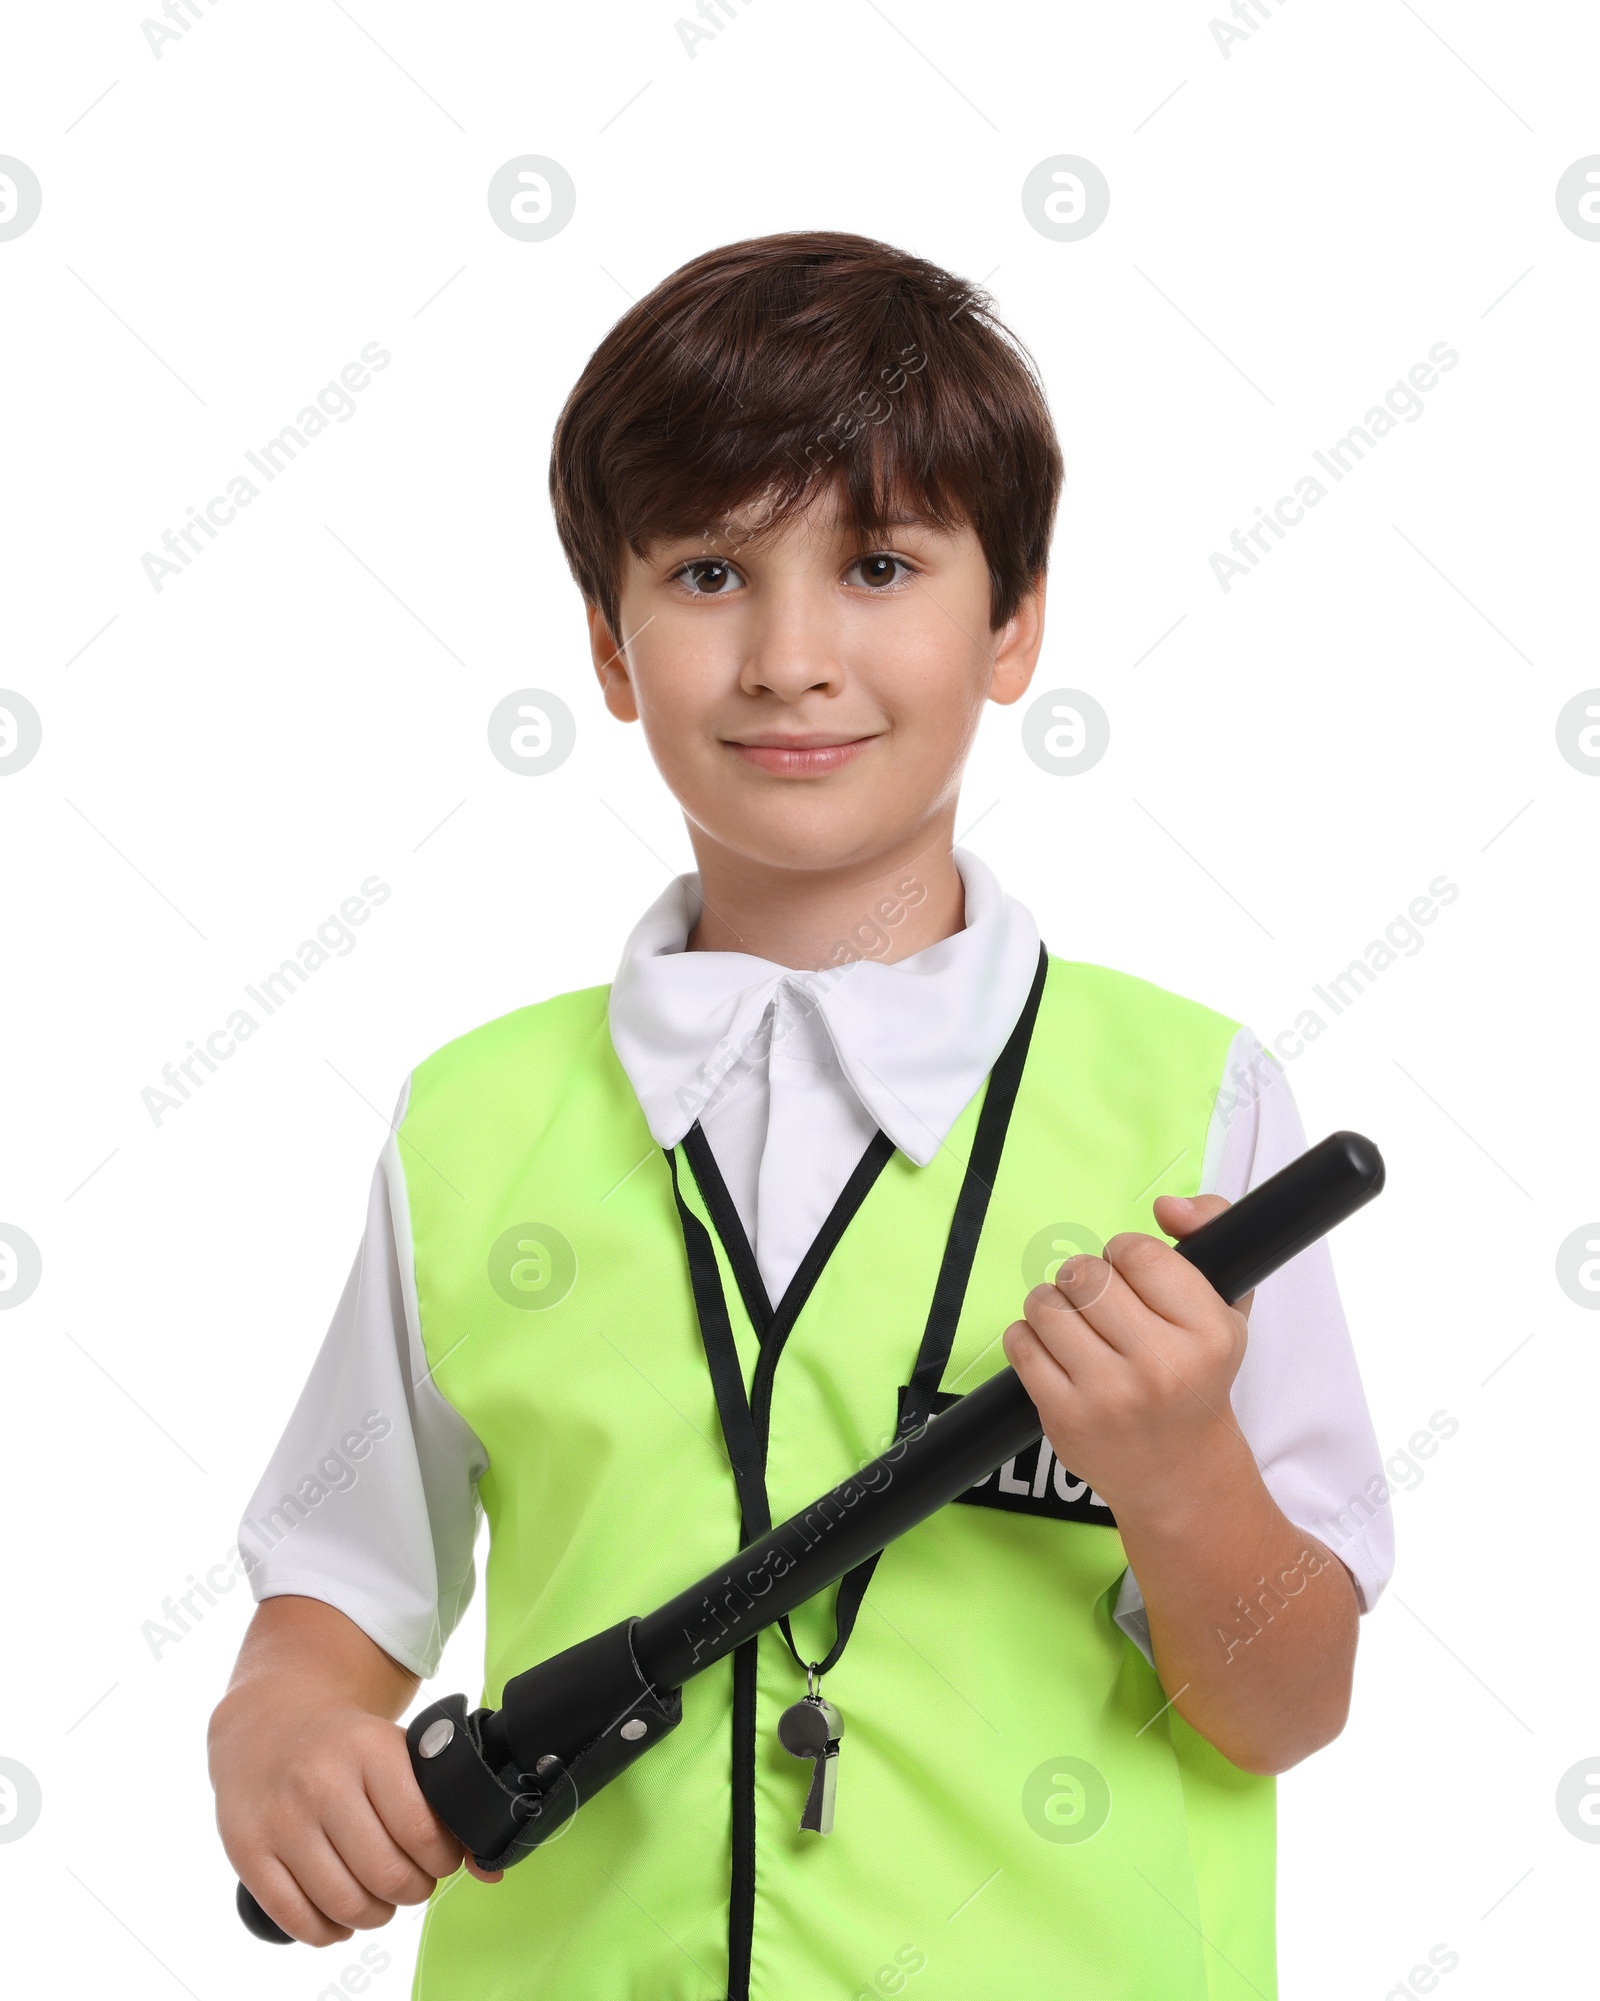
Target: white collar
[{"x": 915, "y": 1037}]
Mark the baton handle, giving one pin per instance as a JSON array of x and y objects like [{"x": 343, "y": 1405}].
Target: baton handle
[{"x": 256, "y": 1921}]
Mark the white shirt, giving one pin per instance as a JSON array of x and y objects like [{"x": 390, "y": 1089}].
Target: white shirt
[{"x": 790, "y": 1073}]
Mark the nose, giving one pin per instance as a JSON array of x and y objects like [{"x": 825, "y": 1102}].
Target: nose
[{"x": 790, "y": 642}]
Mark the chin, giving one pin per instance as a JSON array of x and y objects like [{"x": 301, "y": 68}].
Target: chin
[{"x": 797, "y": 846}]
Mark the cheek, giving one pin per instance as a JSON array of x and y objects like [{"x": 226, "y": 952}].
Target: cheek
[
  {"x": 681, "y": 691},
  {"x": 931, "y": 686}
]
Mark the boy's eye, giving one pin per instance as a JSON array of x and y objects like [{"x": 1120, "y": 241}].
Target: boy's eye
[
  {"x": 708, "y": 578},
  {"x": 879, "y": 570}
]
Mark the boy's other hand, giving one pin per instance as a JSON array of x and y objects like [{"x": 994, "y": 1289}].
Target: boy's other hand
[
  {"x": 317, "y": 1804},
  {"x": 1131, "y": 1358}
]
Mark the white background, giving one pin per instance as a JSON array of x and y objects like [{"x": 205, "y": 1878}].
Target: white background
[{"x": 1291, "y": 762}]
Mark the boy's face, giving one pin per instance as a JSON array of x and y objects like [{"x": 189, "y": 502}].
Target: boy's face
[{"x": 810, "y": 697}]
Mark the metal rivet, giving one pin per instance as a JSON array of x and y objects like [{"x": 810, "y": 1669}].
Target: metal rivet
[
  {"x": 437, "y": 1735},
  {"x": 634, "y": 1729},
  {"x": 547, "y": 1763}
]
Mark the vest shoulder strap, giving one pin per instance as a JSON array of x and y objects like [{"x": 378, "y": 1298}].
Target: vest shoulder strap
[
  {"x": 530, "y": 1050},
  {"x": 1096, "y": 1017}
]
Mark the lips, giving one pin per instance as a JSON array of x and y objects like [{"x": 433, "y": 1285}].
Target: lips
[{"x": 800, "y": 756}]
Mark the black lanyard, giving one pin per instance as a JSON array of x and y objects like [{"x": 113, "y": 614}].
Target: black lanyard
[{"x": 745, "y": 1419}]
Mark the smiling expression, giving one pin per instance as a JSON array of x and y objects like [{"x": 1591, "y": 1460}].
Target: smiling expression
[{"x": 810, "y": 697}]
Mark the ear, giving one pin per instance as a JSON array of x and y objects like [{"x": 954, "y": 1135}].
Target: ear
[
  {"x": 1016, "y": 648},
  {"x": 611, "y": 669}
]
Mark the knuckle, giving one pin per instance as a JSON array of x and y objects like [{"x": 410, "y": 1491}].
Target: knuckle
[
  {"x": 1212, "y": 1339},
  {"x": 426, "y": 1838},
  {"x": 307, "y": 1788},
  {"x": 1095, "y": 1286},
  {"x": 353, "y": 1907},
  {"x": 280, "y": 1822},
  {"x": 1078, "y": 1283},
  {"x": 1133, "y": 1251},
  {"x": 1041, "y": 1300},
  {"x": 246, "y": 1839},
  {"x": 394, "y": 1880}
]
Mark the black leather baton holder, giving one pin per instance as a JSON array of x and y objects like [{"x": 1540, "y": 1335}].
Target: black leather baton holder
[{"x": 506, "y": 1780}]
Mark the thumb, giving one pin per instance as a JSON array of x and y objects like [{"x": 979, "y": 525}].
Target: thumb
[{"x": 1181, "y": 1215}]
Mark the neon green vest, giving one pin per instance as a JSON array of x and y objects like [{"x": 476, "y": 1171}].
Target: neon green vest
[{"x": 1019, "y": 1812}]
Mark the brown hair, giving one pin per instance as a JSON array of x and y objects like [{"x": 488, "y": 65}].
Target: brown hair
[{"x": 758, "y": 367}]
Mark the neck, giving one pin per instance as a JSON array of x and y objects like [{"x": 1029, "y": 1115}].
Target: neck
[{"x": 884, "y": 908}]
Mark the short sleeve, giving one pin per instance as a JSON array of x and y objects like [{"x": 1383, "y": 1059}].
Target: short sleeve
[
  {"x": 1298, "y": 1395},
  {"x": 369, "y": 1501}
]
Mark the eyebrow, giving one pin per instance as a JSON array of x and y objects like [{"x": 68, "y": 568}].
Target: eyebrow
[
  {"x": 889, "y": 521},
  {"x": 711, "y": 535}
]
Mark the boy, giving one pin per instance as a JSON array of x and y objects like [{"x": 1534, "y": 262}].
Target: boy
[{"x": 826, "y": 1118}]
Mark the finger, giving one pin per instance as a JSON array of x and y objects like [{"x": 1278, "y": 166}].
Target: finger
[
  {"x": 384, "y": 1871},
  {"x": 1169, "y": 1286},
  {"x": 483, "y": 1875},
  {"x": 328, "y": 1882},
  {"x": 406, "y": 1816},
  {"x": 1184, "y": 1214},
  {"x": 1067, "y": 1359},
  {"x": 1041, "y": 1374},
  {"x": 274, "y": 1886},
  {"x": 1181, "y": 1215},
  {"x": 1059, "y": 1396},
  {"x": 1090, "y": 1308}
]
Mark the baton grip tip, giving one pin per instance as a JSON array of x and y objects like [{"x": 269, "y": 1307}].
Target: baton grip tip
[{"x": 256, "y": 1921}]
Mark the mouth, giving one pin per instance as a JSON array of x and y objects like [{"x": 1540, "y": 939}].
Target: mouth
[{"x": 799, "y": 756}]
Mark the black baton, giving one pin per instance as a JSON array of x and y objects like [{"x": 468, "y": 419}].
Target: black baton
[{"x": 505, "y": 1780}]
